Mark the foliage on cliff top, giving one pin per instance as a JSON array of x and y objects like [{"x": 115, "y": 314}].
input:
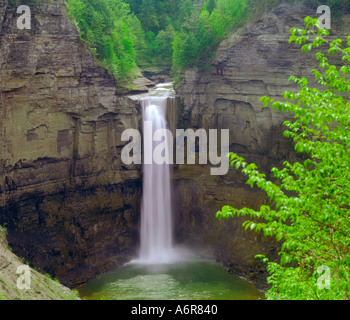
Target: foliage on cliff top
[
  {"x": 313, "y": 224},
  {"x": 199, "y": 36},
  {"x": 110, "y": 30},
  {"x": 124, "y": 39},
  {"x": 176, "y": 34}
]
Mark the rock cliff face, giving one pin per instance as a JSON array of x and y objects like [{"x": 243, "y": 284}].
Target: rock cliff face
[
  {"x": 69, "y": 205},
  {"x": 253, "y": 62}
]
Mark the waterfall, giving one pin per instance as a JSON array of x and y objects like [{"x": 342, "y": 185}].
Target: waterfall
[{"x": 156, "y": 206}]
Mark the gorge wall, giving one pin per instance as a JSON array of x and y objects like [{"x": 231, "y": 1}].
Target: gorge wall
[
  {"x": 255, "y": 61},
  {"x": 70, "y": 207}
]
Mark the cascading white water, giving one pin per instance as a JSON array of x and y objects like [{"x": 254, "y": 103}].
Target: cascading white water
[{"x": 156, "y": 206}]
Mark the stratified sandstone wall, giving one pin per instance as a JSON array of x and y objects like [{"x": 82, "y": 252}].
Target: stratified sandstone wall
[
  {"x": 253, "y": 62},
  {"x": 70, "y": 206}
]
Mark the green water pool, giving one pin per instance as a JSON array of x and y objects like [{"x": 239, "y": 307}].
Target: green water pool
[{"x": 186, "y": 280}]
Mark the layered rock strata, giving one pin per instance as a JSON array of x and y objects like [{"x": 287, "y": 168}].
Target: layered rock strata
[
  {"x": 253, "y": 62},
  {"x": 70, "y": 206}
]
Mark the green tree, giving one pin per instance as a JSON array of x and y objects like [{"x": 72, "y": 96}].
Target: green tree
[
  {"x": 185, "y": 52},
  {"x": 106, "y": 26},
  {"x": 312, "y": 224},
  {"x": 207, "y": 27},
  {"x": 206, "y": 40},
  {"x": 148, "y": 16},
  {"x": 164, "y": 42},
  {"x": 186, "y": 9},
  {"x": 138, "y": 37},
  {"x": 135, "y": 6},
  {"x": 211, "y": 6}
]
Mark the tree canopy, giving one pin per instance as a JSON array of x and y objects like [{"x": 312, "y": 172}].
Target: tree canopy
[
  {"x": 172, "y": 34},
  {"x": 109, "y": 28}
]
